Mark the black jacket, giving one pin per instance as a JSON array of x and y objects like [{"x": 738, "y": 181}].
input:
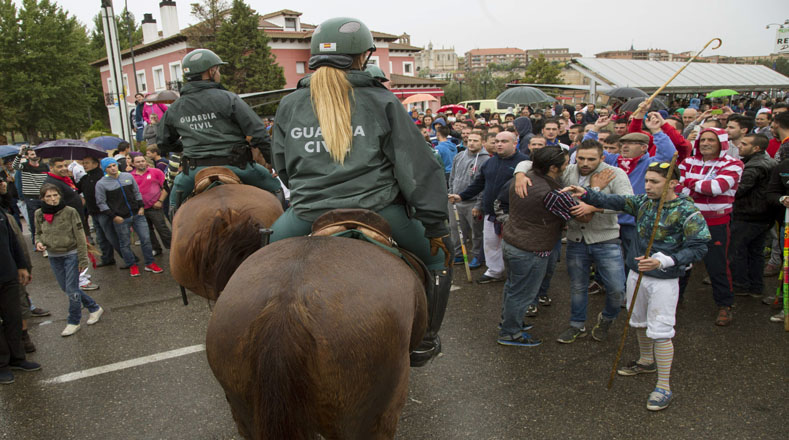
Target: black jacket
[
  {"x": 750, "y": 203},
  {"x": 87, "y": 186},
  {"x": 493, "y": 176},
  {"x": 11, "y": 255},
  {"x": 778, "y": 187}
]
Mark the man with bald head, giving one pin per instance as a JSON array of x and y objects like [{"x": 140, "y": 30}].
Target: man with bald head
[{"x": 493, "y": 176}]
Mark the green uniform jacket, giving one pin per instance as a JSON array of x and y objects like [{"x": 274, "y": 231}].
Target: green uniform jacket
[
  {"x": 388, "y": 157},
  {"x": 210, "y": 121}
]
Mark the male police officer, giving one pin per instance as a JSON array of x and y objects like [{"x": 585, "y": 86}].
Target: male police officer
[{"x": 213, "y": 124}]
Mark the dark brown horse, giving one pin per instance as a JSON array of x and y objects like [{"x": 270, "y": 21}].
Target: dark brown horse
[
  {"x": 311, "y": 336},
  {"x": 226, "y": 218}
]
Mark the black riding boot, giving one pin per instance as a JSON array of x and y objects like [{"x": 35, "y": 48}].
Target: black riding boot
[{"x": 437, "y": 298}]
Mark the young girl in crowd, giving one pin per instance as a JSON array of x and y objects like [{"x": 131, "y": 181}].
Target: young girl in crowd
[{"x": 59, "y": 232}]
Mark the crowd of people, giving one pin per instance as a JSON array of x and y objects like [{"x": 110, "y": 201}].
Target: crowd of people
[{"x": 726, "y": 201}]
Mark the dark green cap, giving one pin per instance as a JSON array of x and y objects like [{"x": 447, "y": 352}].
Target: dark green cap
[{"x": 199, "y": 61}]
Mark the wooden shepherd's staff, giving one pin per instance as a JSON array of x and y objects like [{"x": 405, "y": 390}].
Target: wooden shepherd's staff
[
  {"x": 645, "y": 106},
  {"x": 641, "y": 274}
]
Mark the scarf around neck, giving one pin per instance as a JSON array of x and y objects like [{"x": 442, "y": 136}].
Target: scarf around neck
[
  {"x": 628, "y": 164},
  {"x": 66, "y": 180},
  {"x": 49, "y": 211}
]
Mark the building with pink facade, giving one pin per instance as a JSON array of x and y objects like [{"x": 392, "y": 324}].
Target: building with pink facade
[{"x": 157, "y": 61}]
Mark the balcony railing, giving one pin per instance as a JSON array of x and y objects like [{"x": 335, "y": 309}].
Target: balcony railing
[{"x": 174, "y": 85}]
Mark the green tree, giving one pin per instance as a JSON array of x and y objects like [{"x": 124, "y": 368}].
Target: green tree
[
  {"x": 44, "y": 58},
  {"x": 251, "y": 65},
  {"x": 124, "y": 22},
  {"x": 540, "y": 71},
  {"x": 210, "y": 15}
]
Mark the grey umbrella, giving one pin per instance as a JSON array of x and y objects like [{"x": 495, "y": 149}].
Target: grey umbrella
[
  {"x": 524, "y": 95},
  {"x": 632, "y": 104},
  {"x": 625, "y": 92}
]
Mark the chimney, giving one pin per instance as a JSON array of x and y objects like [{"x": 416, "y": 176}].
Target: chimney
[
  {"x": 149, "y": 31},
  {"x": 169, "y": 15}
]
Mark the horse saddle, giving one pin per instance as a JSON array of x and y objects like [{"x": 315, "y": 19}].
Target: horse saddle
[
  {"x": 212, "y": 176},
  {"x": 369, "y": 226}
]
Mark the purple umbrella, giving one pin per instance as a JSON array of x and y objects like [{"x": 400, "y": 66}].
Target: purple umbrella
[
  {"x": 106, "y": 142},
  {"x": 69, "y": 149}
]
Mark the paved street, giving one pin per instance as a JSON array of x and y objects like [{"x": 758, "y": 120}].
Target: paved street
[{"x": 728, "y": 382}]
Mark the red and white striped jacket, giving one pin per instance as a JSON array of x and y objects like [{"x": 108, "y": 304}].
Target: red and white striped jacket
[{"x": 711, "y": 184}]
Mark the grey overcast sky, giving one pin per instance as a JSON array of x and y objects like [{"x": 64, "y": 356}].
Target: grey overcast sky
[{"x": 584, "y": 26}]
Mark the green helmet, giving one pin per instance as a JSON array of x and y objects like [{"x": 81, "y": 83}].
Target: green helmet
[
  {"x": 376, "y": 73},
  {"x": 336, "y": 40},
  {"x": 199, "y": 61}
]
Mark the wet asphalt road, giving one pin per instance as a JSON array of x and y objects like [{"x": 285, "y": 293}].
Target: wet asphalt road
[{"x": 728, "y": 382}]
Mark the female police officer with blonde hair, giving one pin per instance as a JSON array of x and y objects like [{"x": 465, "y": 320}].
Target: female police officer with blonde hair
[{"x": 342, "y": 140}]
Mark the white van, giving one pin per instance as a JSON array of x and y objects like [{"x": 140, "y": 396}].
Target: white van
[{"x": 480, "y": 105}]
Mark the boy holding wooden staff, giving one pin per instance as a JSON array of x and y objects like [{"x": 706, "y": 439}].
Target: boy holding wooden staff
[{"x": 680, "y": 239}]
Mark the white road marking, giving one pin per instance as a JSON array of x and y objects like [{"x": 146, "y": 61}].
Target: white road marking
[
  {"x": 125, "y": 364},
  {"x": 45, "y": 323},
  {"x": 454, "y": 288}
]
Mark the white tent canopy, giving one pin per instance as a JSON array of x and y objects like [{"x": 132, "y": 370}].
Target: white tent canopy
[{"x": 697, "y": 77}]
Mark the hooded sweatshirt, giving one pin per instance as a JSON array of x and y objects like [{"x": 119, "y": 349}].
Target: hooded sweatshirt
[
  {"x": 711, "y": 184},
  {"x": 465, "y": 168},
  {"x": 523, "y": 125}
]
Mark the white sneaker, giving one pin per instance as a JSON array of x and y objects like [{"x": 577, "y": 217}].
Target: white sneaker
[
  {"x": 70, "y": 330},
  {"x": 94, "y": 316},
  {"x": 779, "y": 317},
  {"x": 90, "y": 286}
]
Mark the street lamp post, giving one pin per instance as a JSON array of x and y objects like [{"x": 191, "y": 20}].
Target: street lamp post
[{"x": 459, "y": 79}]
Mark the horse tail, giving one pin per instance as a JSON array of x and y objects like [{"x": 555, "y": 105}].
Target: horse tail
[
  {"x": 218, "y": 250},
  {"x": 283, "y": 405}
]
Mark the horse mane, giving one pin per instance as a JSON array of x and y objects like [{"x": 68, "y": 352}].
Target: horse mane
[
  {"x": 282, "y": 400},
  {"x": 229, "y": 238}
]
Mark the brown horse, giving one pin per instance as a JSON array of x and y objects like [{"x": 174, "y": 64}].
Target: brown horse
[
  {"x": 312, "y": 335},
  {"x": 226, "y": 218}
]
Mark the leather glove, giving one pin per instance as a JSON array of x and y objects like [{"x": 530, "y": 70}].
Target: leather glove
[{"x": 437, "y": 243}]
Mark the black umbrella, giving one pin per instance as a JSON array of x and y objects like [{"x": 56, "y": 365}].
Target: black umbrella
[
  {"x": 524, "y": 95},
  {"x": 626, "y": 93},
  {"x": 632, "y": 104},
  {"x": 70, "y": 149}
]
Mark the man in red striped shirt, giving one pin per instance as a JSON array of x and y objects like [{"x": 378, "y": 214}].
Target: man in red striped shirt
[{"x": 711, "y": 177}]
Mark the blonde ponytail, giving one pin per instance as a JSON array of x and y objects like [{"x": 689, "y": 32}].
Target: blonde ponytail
[{"x": 331, "y": 100}]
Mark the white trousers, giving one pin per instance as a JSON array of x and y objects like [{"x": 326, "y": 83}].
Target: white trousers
[
  {"x": 656, "y": 305},
  {"x": 494, "y": 259}
]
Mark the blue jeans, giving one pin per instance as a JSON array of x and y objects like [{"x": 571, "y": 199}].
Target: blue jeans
[
  {"x": 66, "y": 271},
  {"x": 607, "y": 257},
  {"x": 140, "y": 225},
  {"x": 32, "y": 205},
  {"x": 106, "y": 237},
  {"x": 525, "y": 272},
  {"x": 546, "y": 280}
]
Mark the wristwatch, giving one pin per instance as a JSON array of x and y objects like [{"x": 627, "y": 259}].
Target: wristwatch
[{"x": 596, "y": 188}]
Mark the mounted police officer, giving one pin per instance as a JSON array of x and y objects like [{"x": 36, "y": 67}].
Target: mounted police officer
[
  {"x": 211, "y": 124},
  {"x": 342, "y": 140}
]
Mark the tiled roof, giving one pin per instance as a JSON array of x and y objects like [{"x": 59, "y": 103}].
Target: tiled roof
[
  {"x": 404, "y": 47},
  {"x": 281, "y": 12}
]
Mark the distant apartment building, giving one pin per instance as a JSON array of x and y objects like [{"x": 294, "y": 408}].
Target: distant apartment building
[
  {"x": 478, "y": 59},
  {"x": 562, "y": 54},
  {"x": 637, "y": 54},
  {"x": 436, "y": 63}
]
